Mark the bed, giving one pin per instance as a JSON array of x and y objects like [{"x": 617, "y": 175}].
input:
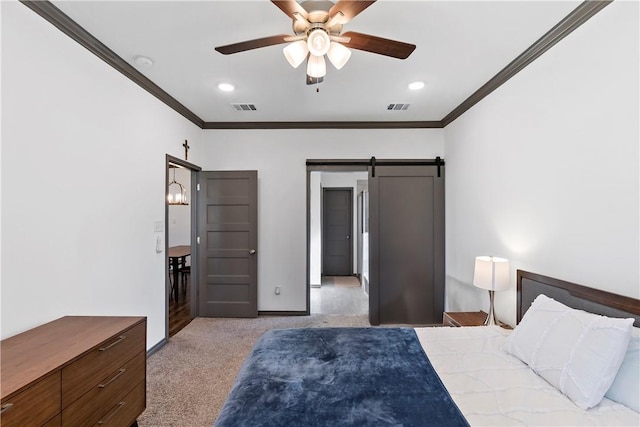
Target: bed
[{"x": 552, "y": 369}]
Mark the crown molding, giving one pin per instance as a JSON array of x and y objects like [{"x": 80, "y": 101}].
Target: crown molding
[
  {"x": 64, "y": 23},
  {"x": 573, "y": 20},
  {"x": 71, "y": 28},
  {"x": 323, "y": 125}
]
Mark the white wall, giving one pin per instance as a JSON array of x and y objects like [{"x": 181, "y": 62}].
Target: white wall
[
  {"x": 545, "y": 171},
  {"x": 83, "y": 181},
  {"x": 363, "y": 188},
  {"x": 315, "y": 233},
  {"x": 279, "y": 156}
]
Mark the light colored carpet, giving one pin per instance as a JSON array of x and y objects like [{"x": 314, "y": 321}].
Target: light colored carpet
[{"x": 189, "y": 378}]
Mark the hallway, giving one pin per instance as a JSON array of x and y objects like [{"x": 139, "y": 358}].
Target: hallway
[{"x": 339, "y": 295}]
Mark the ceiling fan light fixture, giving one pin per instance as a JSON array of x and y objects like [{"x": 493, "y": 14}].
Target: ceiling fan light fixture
[
  {"x": 316, "y": 67},
  {"x": 338, "y": 55},
  {"x": 318, "y": 42},
  {"x": 296, "y": 53}
]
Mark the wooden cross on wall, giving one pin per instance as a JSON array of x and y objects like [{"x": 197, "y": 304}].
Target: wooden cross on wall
[{"x": 186, "y": 149}]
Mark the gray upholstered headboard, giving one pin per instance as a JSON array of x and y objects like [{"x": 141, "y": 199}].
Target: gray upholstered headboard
[{"x": 530, "y": 285}]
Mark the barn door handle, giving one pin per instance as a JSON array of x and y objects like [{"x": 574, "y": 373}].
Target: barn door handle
[{"x": 252, "y": 251}]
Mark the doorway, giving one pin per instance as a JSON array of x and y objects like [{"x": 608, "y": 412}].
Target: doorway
[
  {"x": 335, "y": 243},
  {"x": 404, "y": 219},
  {"x": 179, "y": 248}
]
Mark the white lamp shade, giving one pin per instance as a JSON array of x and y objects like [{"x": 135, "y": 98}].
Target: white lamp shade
[
  {"x": 318, "y": 42},
  {"x": 338, "y": 55},
  {"x": 491, "y": 273},
  {"x": 296, "y": 53},
  {"x": 316, "y": 66}
]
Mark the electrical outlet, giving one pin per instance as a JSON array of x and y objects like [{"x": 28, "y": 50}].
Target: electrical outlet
[{"x": 277, "y": 290}]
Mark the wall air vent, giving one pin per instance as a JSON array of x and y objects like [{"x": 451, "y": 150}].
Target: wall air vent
[
  {"x": 244, "y": 107},
  {"x": 398, "y": 107}
]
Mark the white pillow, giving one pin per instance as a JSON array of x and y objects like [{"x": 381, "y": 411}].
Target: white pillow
[
  {"x": 579, "y": 353},
  {"x": 626, "y": 387}
]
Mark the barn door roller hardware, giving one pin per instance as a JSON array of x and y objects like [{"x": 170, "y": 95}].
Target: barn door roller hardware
[{"x": 372, "y": 162}]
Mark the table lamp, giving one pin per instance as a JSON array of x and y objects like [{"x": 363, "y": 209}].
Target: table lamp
[{"x": 491, "y": 273}]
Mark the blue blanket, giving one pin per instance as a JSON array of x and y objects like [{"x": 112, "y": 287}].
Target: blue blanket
[{"x": 336, "y": 377}]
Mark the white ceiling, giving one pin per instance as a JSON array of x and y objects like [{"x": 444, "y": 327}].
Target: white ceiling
[{"x": 460, "y": 46}]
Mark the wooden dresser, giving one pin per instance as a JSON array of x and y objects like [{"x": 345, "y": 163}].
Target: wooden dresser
[{"x": 75, "y": 371}]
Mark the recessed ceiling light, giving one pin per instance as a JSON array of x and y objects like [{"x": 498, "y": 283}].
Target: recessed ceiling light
[
  {"x": 143, "y": 60},
  {"x": 416, "y": 85},
  {"x": 226, "y": 87}
]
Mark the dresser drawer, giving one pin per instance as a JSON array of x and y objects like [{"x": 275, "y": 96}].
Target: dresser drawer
[
  {"x": 86, "y": 373},
  {"x": 91, "y": 406},
  {"x": 125, "y": 412},
  {"x": 33, "y": 406}
]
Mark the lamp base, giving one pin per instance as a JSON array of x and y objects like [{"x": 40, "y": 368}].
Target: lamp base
[{"x": 491, "y": 317}]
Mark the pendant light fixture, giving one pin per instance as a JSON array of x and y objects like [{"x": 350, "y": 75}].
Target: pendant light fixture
[{"x": 176, "y": 193}]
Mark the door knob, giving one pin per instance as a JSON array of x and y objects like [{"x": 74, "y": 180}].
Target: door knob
[
  {"x": 252, "y": 251},
  {"x": 348, "y": 237}
]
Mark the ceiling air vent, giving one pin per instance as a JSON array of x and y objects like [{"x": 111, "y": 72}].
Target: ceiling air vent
[
  {"x": 244, "y": 107},
  {"x": 398, "y": 107}
]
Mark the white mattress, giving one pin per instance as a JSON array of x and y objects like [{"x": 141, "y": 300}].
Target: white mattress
[{"x": 493, "y": 388}]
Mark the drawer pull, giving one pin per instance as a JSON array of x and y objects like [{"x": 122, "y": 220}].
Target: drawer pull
[
  {"x": 111, "y": 415},
  {"x": 120, "y": 338},
  {"x": 120, "y": 372},
  {"x": 6, "y": 407}
]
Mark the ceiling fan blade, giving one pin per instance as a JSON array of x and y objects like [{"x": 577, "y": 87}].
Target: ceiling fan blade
[
  {"x": 289, "y": 39},
  {"x": 290, "y": 7},
  {"x": 378, "y": 45},
  {"x": 253, "y": 44},
  {"x": 349, "y": 9}
]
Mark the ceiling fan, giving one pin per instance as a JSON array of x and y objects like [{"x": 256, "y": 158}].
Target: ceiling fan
[{"x": 317, "y": 27}]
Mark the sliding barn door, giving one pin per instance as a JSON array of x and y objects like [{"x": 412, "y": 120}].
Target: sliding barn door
[
  {"x": 406, "y": 245},
  {"x": 228, "y": 233}
]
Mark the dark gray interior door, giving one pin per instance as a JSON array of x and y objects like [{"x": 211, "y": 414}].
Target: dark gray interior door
[
  {"x": 337, "y": 222},
  {"x": 406, "y": 226},
  {"x": 227, "y": 228}
]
